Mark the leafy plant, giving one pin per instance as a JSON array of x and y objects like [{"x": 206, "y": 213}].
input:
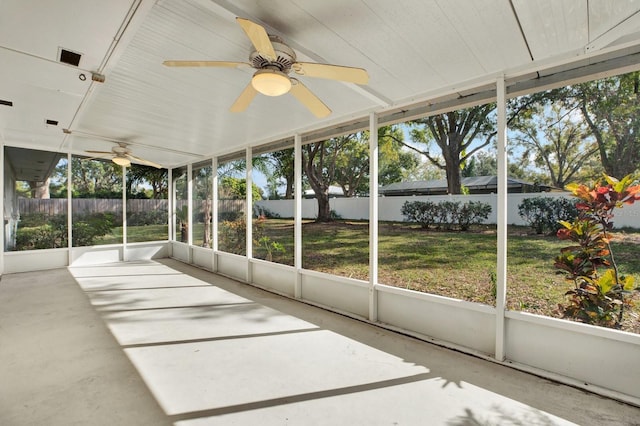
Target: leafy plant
[
  {"x": 422, "y": 212},
  {"x": 446, "y": 214},
  {"x": 182, "y": 216},
  {"x": 145, "y": 218},
  {"x": 601, "y": 294},
  {"x": 544, "y": 214},
  {"x": 88, "y": 227},
  {"x": 40, "y": 231},
  {"x": 270, "y": 247},
  {"x": 233, "y": 235},
  {"x": 473, "y": 212}
]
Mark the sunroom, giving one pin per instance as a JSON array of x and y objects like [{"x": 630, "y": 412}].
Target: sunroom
[{"x": 137, "y": 141}]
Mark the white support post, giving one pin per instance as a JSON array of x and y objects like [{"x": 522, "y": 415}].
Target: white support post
[
  {"x": 297, "y": 215},
  {"x": 171, "y": 207},
  {"x": 373, "y": 216},
  {"x": 2, "y": 231},
  {"x": 249, "y": 213},
  {"x": 190, "y": 208},
  {"x": 124, "y": 214},
  {"x": 214, "y": 213},
  {"x": 501, "y": 272},
  {"x": 69, "y": 209}
]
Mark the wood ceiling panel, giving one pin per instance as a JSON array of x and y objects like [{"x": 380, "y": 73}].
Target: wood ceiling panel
[
  {"x": 606, "y": 14},
  {"x": 553, "y": 27},
  {"x": 190, "y": 107},
  {"x": 483, "y": 26},
  {"x": 40, "y": 28},
  {"x": 414, "y": 50}
]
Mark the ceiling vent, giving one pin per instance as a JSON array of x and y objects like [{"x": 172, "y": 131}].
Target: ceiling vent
[
  {"x": 7, "y": 103},
  {"x": 52, "y": 122},
  {"x": 69, "y": 57}
]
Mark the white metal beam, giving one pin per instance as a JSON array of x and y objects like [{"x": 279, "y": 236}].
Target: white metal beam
[
  {"x": 297, "y": 216},
  {"x": 214, "y": 213},
  {"x": 501, "y": 272},
  {"x": 373, "y": 216},
  {"x": 249, "y": 213}
]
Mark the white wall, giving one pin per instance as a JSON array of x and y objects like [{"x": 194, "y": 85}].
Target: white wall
[
  {"x": 389, "y": 207},
  {"x": 595, "y": 358}
]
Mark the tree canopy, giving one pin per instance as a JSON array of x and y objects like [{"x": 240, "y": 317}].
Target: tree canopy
[{"x": 611, "y": 108}]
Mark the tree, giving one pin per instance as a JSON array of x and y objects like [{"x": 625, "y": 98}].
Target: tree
[
  {"x": 557, "y": 142},
  {"x": 482, "y": 163},
  {"x": 320, "y": 162},
  {"x": 91, "y": 178},
  {"x": 352, "y": 165},
  {"x": 282, "y": 168},
  {"x": 344, "y": 161},
  {"x": 611, "y": 108},
  {"x": 396, "y": 162},
  {"x": 459, "y": 134},
  {"x": 203, "y": 194},
  {"x": 144, "y": 175},
  {"x": 234, "y": 188},
  {"x": 39, "y": 189}
]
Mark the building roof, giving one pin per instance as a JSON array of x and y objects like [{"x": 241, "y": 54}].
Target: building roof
[{"x": 475, "y": 184}]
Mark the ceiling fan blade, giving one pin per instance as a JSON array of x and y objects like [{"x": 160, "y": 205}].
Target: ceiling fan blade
[
  {"x": 98, "y": 157},
  {"x": 221, "y": 64},
  {"x": 333, "y": 72},
  {"x": 99, "y": 152},
  {"x": 244, "y": 99},
  {"x": 308, "y": 99},
  {"x": 143, "y": 161},
  {"x": 259, "y": 38}
]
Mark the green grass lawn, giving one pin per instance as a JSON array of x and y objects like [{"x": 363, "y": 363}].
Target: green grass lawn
[
  {"x": 135, "y": 234},
  {"x": 454, "y": 264}
]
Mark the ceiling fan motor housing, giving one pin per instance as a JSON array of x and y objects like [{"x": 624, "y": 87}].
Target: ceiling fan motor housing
[
  {"x": 286, "y": 57},
  {"x": 120, "y": 150}
]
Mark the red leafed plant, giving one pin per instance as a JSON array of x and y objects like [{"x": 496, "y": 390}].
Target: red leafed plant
[{"x": 600, "y": 294}]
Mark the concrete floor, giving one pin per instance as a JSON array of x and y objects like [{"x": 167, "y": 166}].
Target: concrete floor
[{"x": 165, "y": 343}]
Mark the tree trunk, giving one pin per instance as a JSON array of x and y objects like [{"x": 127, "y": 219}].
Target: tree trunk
[
  {"x": 40, "y": 189},
  {"x": 454, "y": 175},
  {"x": 324, "y": 208},
  {"x": 206, "y": 239},
  {"x": 288, "y": 195}
]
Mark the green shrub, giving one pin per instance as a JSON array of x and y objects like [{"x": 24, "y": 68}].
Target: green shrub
[
  {"x": 88, "y": 227},
  {"x": 233, "y": 235},
  {"x": 473, "y": 212},
  {"x": 46, "y": 232},
  {"x": 447, "y": 214},
  {"x": 601, "y": 294},
  {"x": 41, "y": 237},
  {"x": 229, "y": 216},
  {"x": 544, "y": 214},
  {"x": 422, "y": 212},
  {"x": 150, "y": 217}
]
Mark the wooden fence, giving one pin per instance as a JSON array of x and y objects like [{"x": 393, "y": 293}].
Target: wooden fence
[{"x": 55, "y": 206}]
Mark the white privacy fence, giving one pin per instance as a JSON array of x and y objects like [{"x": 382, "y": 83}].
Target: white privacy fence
[{"x": 390, "y": 207}]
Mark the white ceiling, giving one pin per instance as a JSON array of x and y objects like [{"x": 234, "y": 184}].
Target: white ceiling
[{"x": 413, "y": 50}]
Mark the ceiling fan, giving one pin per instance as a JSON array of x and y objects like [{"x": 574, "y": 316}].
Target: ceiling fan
[
  {"x": 274, "y": 61},
  {"x": 121, "y": 155}
]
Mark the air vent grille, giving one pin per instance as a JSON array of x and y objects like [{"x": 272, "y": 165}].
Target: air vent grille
[
  {"x": 7, "y": 103},
  {"x": 69, "y": 57}
]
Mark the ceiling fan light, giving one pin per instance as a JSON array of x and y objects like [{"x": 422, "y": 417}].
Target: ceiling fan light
[
  {"x": 121, "y": 161},
  {"x": 271, "y": 82}
]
